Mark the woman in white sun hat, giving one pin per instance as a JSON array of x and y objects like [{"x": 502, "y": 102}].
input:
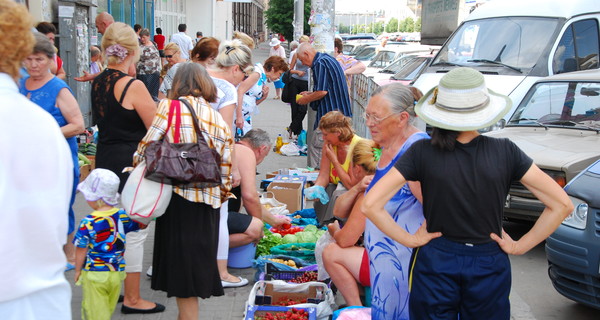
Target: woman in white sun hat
[
  {"x": 462, "y": 268},
  {"x": 277, "y": 50}
]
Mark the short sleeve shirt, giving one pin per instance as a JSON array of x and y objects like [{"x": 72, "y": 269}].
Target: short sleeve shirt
[
  {"x": 227, "y": 95},
  {"x": 184, "y": 42},
  {"x": 329, "y": 76},
  {"x": 103, "y": 234},
  {"x": 464, "y": 190},
  {"x": 346, "y": 62}
]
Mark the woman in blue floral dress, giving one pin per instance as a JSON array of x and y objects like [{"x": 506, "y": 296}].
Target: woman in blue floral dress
[{"x": 389, "y": 116}]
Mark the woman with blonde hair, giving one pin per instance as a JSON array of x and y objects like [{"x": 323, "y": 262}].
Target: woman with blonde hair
[
  {"x": 346, "y": 260},
  {"x": 244, "y": 38},
  {"x": 336, "y": 159},
  {"x": 174, "y": 60},
  {"x": 123, "y": 109},
  {"x": 232, "y": 65},
  {"x": 186, "y": 236}
]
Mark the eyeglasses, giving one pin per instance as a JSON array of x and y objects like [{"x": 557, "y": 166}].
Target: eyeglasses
[
  {"x": 374, "y": 119},
  {"x": 169, "y": 56}
]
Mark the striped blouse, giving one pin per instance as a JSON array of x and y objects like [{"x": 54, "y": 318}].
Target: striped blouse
[{"x": 217, "y": 134}]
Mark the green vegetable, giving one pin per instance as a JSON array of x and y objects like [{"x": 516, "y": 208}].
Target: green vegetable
[
  {"x": 267, "y": 242},
  {"x": 290, "y": 238},
  {"x": 83, "y": 158},
  {"x": 311, "y": 228}
]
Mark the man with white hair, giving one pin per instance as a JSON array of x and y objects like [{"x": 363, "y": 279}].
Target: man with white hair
[{"x": 330, "y": 92}]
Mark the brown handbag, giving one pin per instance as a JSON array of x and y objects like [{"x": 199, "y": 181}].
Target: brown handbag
[{"x": 192, "y": 165}]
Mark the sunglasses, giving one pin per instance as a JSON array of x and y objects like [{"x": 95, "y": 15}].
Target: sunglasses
[{"x": 169, "y": 56}]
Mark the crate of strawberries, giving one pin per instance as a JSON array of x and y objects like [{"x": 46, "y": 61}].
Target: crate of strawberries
[
  {"x": 280, "y": 313},
  {"x": 300, "y": 276}
]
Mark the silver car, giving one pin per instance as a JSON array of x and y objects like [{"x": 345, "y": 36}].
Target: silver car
[{"x": 558, "y": 125}]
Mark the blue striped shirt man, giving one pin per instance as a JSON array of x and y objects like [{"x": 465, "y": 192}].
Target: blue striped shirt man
[{"x": 328, "y": 76}]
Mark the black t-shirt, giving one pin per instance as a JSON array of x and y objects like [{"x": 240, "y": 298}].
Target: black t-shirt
[{"x": 464, "y": 190}]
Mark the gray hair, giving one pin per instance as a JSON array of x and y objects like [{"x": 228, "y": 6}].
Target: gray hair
[
  {"x": 94, "y": 51},
  {"x": 232, "y": 53},
  {"x": 400, "y": 98},
  {"x": 43, "y": 45},
  {"x": 293, "y": 45},
  {"x": 257, "y": 138},
  {"x": 144, "y": 32}
]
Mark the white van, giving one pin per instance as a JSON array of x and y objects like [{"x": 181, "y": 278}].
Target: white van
[{"x": 515, "y": 42}]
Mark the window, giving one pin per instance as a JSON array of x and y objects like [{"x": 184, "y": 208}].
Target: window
[{"x": 578, "y": 48}]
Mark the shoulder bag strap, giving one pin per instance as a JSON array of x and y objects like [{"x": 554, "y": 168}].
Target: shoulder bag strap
[
  {"x": 169, "y": 117},
  {"x": 194, "y": 119}
]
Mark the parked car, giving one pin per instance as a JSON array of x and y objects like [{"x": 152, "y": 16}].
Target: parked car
[
  {"x": 390, "y": 54},
  {"x": 572, "y": 250},
  {"x": 359, "y": 36},
  {"x": 409, "y": 68},
  {"x": 352, "y": 47},
  {"x": 538, "y": 38},
  {"x": 558, "y": 125}
]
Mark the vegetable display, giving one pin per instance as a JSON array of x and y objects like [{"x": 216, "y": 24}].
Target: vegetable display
[{"x": 267, "y": 242}]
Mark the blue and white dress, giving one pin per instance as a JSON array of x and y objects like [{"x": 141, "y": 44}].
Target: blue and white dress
[
  {"x": 249, "y": 106},
  {"x": 388, "y": 259}
]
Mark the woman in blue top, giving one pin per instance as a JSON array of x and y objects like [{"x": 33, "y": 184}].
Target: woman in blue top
[
  {"x": 54, "y": 96},
  {"x": 389, "y": 116}
]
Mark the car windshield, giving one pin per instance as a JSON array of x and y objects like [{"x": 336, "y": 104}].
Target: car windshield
[
  {"x": 365, "y": 54},
  {"x": 514, "y": 42},
  {"x": 411, "y": 69},
  {"x": 398, "y": 64},
  {"x": 560, "y": 104},
  {"x": 382, "y": 59}
]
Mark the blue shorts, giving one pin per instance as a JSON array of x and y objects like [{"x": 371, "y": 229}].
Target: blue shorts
[{"x": 451, "y": 280}]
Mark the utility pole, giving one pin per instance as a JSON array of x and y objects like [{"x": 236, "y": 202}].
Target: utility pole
[{"x": 298, "y": 19}]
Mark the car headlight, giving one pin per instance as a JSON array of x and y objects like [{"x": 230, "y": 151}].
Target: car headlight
[
  {"x": 559, "y": 176},
  {"x": 578, "y": 217}
]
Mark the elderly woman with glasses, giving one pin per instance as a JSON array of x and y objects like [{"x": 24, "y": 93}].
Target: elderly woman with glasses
[{"x": 390, "y": 117}]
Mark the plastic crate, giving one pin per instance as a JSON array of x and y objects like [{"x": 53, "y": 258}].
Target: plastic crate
[
  {"x": 254, "y": 311},
  {"x": 272, "y": 273}
]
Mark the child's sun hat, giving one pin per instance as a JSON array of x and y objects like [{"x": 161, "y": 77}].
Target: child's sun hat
[{"x": 101, "y": 184}]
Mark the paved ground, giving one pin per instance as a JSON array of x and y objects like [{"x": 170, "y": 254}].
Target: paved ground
[{"x": 274, "y": 116}]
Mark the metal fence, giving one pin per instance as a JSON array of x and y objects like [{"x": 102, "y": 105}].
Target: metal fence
[{"x": 360, "y": 92}]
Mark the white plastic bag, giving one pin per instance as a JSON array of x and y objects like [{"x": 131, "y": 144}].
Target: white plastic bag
[
  {"x": 323, "y": 242},
  {"x": 290, "y": 150},
  {"x": 143, "y": 199},
  {"x": 274, "y": 206},
  {"x": 323, "y": 292}
]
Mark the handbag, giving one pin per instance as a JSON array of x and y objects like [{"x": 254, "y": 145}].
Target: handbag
[
  {"x": 143, "y": 199},
  {"x": 190, "y": 165},
  {"x": 287, "y": 94}
]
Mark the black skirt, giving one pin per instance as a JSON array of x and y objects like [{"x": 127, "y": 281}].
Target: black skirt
[{"x": 184, "y": 264}]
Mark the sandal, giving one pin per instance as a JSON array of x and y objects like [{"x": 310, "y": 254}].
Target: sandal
[{"x": 228, "y": 284}]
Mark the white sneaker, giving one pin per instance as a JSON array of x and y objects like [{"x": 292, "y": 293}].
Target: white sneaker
[
  {"x": 241, "y": 283},
  {"x": 149, "y": 272}
]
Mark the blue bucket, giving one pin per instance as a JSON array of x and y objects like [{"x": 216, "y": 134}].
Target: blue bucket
[{"x": 241, "y": 257}]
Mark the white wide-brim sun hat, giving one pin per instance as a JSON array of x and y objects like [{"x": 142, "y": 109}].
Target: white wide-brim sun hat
[
  {"x": 101, "y": 184},
  {"x": 462, "y": 102},
  {"x": 274, "y": 42}
]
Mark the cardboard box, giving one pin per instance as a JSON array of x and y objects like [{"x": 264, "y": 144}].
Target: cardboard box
[
  {"x": 289, "y": 190},
  {"x": 261, "y": 311},
  {"x": 268, "y": 295},
  {"x": 84, "y": 171},
  {"x": 310, "y": 175}
]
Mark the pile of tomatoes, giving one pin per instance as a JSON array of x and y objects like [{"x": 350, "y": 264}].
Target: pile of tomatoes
[
  {"x": 293, "y": 314},
  {"x": 289, "y": 230}
]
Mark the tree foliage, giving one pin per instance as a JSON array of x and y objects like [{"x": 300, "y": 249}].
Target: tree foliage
[
  {"x": 392, "y": 26},
  {"x": 280, "y": 17}
]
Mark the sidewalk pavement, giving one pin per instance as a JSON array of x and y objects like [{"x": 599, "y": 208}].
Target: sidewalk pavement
[{"x": 274, "y": 117}]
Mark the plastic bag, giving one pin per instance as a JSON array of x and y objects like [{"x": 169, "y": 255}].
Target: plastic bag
[
  {"x": 274, "y": 206},
  {"x": 352, "y": 313},
  {"x": 261, "y": 261},
  {"x": 324, "y": 308},
  {"x": 290, "y": 150},
  {"x": 323, "y": 242},
  {"x": 304, "y": 251},
  {"x": 317, "y": 192}
]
